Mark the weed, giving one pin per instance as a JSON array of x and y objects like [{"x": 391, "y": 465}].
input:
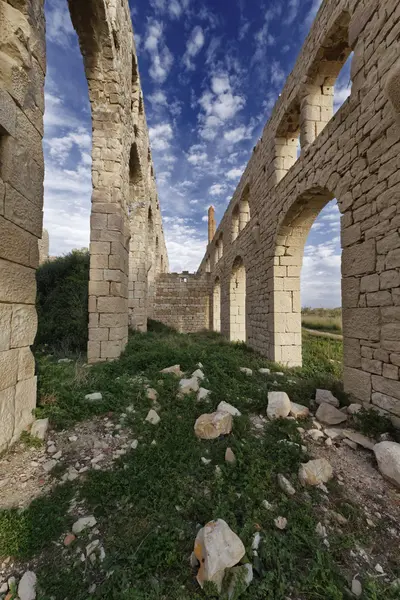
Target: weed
[
  {"x": 30, "y": 441},
  {"x": 373, "y": 424}
]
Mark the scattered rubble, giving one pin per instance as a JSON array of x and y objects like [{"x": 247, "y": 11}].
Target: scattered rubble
[
  {"x": 326, "y": 397},
  {"x": 39, "y": 428},
  {"x": 94, "y": 397},
  {"x": 330, "y": 415},
  {"x": 285, "y": 485},
  {"x": 153, "y": 417},
  {"x": 187, "y": 386},
  {"x": 315, "y": 472},
  {"x": 387, "y": 455},
  {"x": 203, "y": 394},
  {"x": 278, "y": 405},
  {"x": 211, "y": 426},
  {"x": 225, "y": 407},
  {"x": 174, "y": 370},
  {"x": 246, "y": 371}
]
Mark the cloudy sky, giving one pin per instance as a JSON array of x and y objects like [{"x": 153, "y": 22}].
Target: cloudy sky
[{"x": 211, "y": 72}]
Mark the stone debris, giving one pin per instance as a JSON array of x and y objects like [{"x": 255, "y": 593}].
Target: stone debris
[
  {"x": 265, "y": 371},
  {"x": 64, "y": 361},
  {"x": 225, "y": 407},
  {"x": 69, "y": 539},
  {"x": 203, "y": 394},
  {"x": 73, "y": 438},
  {"x": 353, "y": 409},
  {"x": 350, "y": 444},
  {"x": 315, "y": 472},
  {"x": 27, "y": 586},
  {"x": 246, "y": 371},
  {"x": 153, "y": 417},
  {"x": 298, "y": 411},
  {"x": 316, "y": 434},
  {"x": 174, "y": 370},
  {"x": 83, "y": 523},
  {"x": 321, "y": 530},
  {"x": 151, "y": 394},
  {"x": 187, "y": 386},
  {"x": 330, "y": 415},
  {"x": 387, "y": 455},
  {"x": 211, "y": 426},
  {"x": 285, "y": 485},
  {"x": 328, "y": 442},
  {"x": 267, "y": 505},
  {"x": 134, "y": 444},
  {"x": 326, "y": 397},
  {"x": 94, "y": 397},
  {"x": 356, "y": 587},
  {"x": 91, "y": 547},
  {"x": 39, "y": 428},
  {"x": 278, "y": 405},
  {"x": 198, "y": 374},
  {"x": 334, "y": 434},
  {"x": 217, "y": 548},
  {"x": 280, "y": 523},
  {"x": 240, "y": 579},
  {"x": 230, "y": 456},
  {"x": 49, "y": 465},
  {"x": 205, "y": 461},
  {"x": 359, "y": 439}
]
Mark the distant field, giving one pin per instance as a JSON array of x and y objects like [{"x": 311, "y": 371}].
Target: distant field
[{"x": 322, "y": 319}]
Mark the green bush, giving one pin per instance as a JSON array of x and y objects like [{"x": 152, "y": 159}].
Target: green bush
[{"x": 62, "y": 303}]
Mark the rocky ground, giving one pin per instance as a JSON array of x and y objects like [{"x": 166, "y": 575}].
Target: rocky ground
[{"x": 182, "y": 489}]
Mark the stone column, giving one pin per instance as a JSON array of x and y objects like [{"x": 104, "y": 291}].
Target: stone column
[
  {"x": 316, "y": 109},
  {"x": 211, "y": 224}
]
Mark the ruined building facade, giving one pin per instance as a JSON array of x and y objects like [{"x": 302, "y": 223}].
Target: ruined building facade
[
  {"x": 248, "y": 284},
  {"x": 125, "y": 213},
  {"x": 253, "y": 260}
]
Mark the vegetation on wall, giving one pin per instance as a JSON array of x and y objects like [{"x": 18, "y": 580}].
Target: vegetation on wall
[{"x": 62, "y": 303}]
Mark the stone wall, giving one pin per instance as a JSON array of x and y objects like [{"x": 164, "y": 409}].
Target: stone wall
[
  {"x": 43, "y": 245},
  {"x": 352, "y": 156},
  {"x": 182, "y": 301},
  {"x": 119, "y": 126}
]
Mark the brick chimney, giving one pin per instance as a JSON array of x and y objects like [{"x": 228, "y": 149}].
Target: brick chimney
[{"x": 211, "y": 223}]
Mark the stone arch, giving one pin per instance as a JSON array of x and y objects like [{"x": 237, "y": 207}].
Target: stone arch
[
  {"x": 237, "y": 301},
  {"x": 244, "y": 208},
  {"x": 290, "y": 240},
  {"x": 219, "y": 247},
  {"x": 217, "y": 305},
  {"x": 235, "y": 222}
]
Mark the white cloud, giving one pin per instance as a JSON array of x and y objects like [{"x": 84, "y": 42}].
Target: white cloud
[
  {"x": 158, "y": 98},
  {"x": 238, "y": 134},
  {"x": 217, "y": 189},
  {"x": 220, "y": 104},
  {"x": 292, "y": 11},
  {"x": 60, "y": 147},
  {"x": 193, "y": 47},
  {"x": 160, "y": 136},
  {"x": 235, "y": 173},
  {"x": 320, "y": 277},
  {"x": 341, "y": 93},
  {"x": 312, "y": 13},
  {"x": 160, "y": 55},
  {"x": 59, "y": 29},
  {"x": 186, "y": 246},
  {"x": 277, "y": 74}
]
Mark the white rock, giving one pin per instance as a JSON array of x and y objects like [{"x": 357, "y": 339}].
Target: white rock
[
  {"x": 73, "y": 438},
  {"x": 278, "y": 405},
  {"x": 264, "y": 371},
  {"x": 315, "y": 472},
  {"x": 330, "y": 415},
  {"x": 246, "y": 371},
  {"x": 151, "y": 394},
  {"x": 356, "y": 588},
  {"x": 350, "y": 444},
  {"x": 321, "y": 530},
  {"x": 153, "y": 417},
  {"x": 241, "y": 577},
  {"x": 187, "y": 386},
  {"x": 205, "y": 461},
  {"x": 198, "y": 374},
  {"x": 94, "y": 397},
  {"x": 280, "y": 523},
  {"x": 279, "y": 374},
  {"x": 83, "y": 523},
  {"x": 211, "y": 426},
  {"x": 353, "y": 409},
  {"x": 298, "y": 411},
  {"x": 315, "y": 434},
  {"x": 359, "y": 439},
  {"x": 328, "y": 442},
  {"x": 203, "y": 394},
  {"x": 97, "y": 459},
  {"x": 39, "y": 428},
  {"x": 199, "y": 365},
  {"x": 267, "y": 505},
  {"x": 333, "y": 433},
  {"x": 387, "y": 455},
  {"x": 91, "y": 547},
  {"x": 326, "y": 397},
  {"x": 230, "y": 456},
  {"x": 174, "y": 370},
  {"x": 226, "y": 407},
  {"x": 134, "y": 444},
  {"x": 217, "y": 548},
  {"x": 256, "y": 541},
  {"x": 49, "y": 465},
  {"x": 4, "y": 588},
  {"x": 64, "y": 360},
  {"x": 51, "y": 449},
  {"x": 379, "y": 569},
  {"x": 57, "y": 455},
  {"x": 285, "y": 485},
  {"x": 27, "y": 586}
]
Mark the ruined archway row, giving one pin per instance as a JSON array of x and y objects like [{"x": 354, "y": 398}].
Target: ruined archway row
[
  {"x": 351, "y": 156},
  {"x": 122, "y": 177}
]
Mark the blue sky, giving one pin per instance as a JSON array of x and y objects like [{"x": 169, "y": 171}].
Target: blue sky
[{"x": 211, "y": 72}]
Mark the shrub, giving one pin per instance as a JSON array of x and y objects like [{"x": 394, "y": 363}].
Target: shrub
[{"x": 62, "y": 302}]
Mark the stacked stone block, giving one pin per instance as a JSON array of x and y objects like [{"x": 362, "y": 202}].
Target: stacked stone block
[{"x": 351, "y": 156}]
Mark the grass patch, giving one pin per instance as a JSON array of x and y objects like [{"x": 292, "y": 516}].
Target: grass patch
[{"x": 151, "y": 505}]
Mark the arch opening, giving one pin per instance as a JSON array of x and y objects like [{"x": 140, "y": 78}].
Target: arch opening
[
  {"x": 217, "y": 305},
  {"x": 237, "y": 302},
  {"x": 286, "y": 274},
  {"x": 219, "y": 248}
]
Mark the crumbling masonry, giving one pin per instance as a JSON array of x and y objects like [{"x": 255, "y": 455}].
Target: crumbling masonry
[
  {"x": 254, "y": 258},
  {"x": 125, "y": 210}
]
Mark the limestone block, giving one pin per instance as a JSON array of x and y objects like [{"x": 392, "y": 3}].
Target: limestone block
[
  {"x": 23, "y": 325},
  {"x": 6, "y": 417},
  {"x": 26, "y": 364},
  {"x": 111, "y": 305},
  {"x": 359, "y": 259},
  {"x": 24, "y": 175},
  {"x": 8, "y": 368},
  {"x": 25, "y": 403},
  {"x": 388, "y": 403},
  {"x": 386, "y": 386},
  {"x": 111, "y": 349},
  {"x": 351, "y": 352},
  {"x": 390, "y": 371},
  {"x": 17, "y": 245},
  {"x": 350, "y": 292},
  {"x": 357, "y": 383},
  {"x": 5, "y": 326},
  {"x": 372, "y": 366},
  {"x": 7, "y": 113},
  {"x": 392, "y": 88},
  {"x": 17, "y": 283},
  {"x": 362, "y": 323}
]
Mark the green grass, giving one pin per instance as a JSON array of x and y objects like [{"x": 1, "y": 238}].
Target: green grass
[{"x": 150, "y": 506}]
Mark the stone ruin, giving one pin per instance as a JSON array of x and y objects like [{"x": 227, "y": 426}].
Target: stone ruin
[{"x": 248, "y": 284}]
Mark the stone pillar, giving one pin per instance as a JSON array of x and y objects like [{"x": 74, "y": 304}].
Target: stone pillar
[
  {"x": 211, "y": 224},
  {"x": 22, "y": 72},
  {"x": 316, "y": 109},
  {"x": 43, "y": 245},
  {"x": 285, "y": 155}
]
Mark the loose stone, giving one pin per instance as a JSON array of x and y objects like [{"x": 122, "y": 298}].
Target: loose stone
[{"x": 278, "y": 405}]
